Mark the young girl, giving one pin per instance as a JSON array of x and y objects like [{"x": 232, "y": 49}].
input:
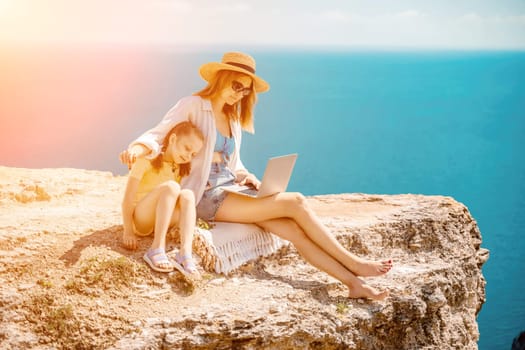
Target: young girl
[{"x": 154, "y": 200}]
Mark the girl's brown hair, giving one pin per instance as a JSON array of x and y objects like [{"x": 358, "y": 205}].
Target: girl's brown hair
[
  {"x": 242, "y": 111},
  {"x": 182, "y": 129}
]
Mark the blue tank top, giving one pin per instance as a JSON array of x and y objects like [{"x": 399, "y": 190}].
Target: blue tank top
[{"x": 225, "y": 146}]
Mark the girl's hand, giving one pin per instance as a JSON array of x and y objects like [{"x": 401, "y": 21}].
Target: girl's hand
[
  {"x": 130, "y": 155},
  {"x": 129, "y": 240},
  {"x": 250, "y": 180}
]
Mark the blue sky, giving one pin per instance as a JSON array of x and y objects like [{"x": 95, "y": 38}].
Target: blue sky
[{"x": 497, "y": 24}]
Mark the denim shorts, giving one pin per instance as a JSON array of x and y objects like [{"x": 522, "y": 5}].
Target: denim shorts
[
  {"x": 220, "y": 177},
  {"x": 214, "y": 195}
]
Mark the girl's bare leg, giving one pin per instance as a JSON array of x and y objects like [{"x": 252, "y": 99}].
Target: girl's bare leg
[
  {"x": 293, "y": 205},
  {"x": 156, "y": 211},
  {"x": 311, "y": 252},
  {"x": 187, "y": 220}
]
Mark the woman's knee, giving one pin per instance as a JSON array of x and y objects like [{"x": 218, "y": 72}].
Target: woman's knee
[{"x": 295, "y": 202}]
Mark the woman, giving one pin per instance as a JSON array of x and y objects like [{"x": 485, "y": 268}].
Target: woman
[{"x": 221, "y": 111}]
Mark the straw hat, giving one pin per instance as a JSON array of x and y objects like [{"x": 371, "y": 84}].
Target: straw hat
[{"x": 237, "y": 62}]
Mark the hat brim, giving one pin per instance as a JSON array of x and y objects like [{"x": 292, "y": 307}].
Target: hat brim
[{"x": 208, "y": 71}]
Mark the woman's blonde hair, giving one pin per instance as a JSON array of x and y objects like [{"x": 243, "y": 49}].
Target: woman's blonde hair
[
  {"x": 241, "y": 111},
  {"x": 182, "y": 129}
]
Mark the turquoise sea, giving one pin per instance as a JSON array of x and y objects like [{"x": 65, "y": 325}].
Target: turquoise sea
[{"x": 435, "y": 122}]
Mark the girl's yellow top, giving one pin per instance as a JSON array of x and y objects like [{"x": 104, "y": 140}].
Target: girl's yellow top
[{"x": 150, "y": 177}]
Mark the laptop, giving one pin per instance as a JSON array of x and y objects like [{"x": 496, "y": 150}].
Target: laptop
[{"x": 275, "y": 179}]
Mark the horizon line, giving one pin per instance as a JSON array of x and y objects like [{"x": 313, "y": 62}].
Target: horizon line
[{"x": 199, "y": 47}]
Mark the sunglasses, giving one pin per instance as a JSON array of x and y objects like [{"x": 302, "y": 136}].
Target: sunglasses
[{"x": 238, "y": 87}]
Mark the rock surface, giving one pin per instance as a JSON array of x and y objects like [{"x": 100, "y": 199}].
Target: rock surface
[{"x": 66, "y": 282}]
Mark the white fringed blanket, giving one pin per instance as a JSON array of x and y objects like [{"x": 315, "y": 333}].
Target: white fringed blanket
[{"x": 227, "y": 246}]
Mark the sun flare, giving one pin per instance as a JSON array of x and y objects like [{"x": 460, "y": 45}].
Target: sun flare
[{"x": 4, "y": 6}]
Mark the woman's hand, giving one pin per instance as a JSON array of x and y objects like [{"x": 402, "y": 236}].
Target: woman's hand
[
  {"x": 130, "y": 155},
  {"x": 248, "y": 179}
]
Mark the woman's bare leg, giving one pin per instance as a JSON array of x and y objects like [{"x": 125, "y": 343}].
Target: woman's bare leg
[
  {"x": 293, "y": 205},
  {"x": 311, "y": 252}
]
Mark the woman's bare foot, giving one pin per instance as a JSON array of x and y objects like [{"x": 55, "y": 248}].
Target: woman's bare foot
[
  {"x": 370, "y": 268},
  {"x": 363, "y": 290}
]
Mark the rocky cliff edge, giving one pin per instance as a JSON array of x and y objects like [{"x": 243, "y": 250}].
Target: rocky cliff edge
[{"x": 66, "y": 282}]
